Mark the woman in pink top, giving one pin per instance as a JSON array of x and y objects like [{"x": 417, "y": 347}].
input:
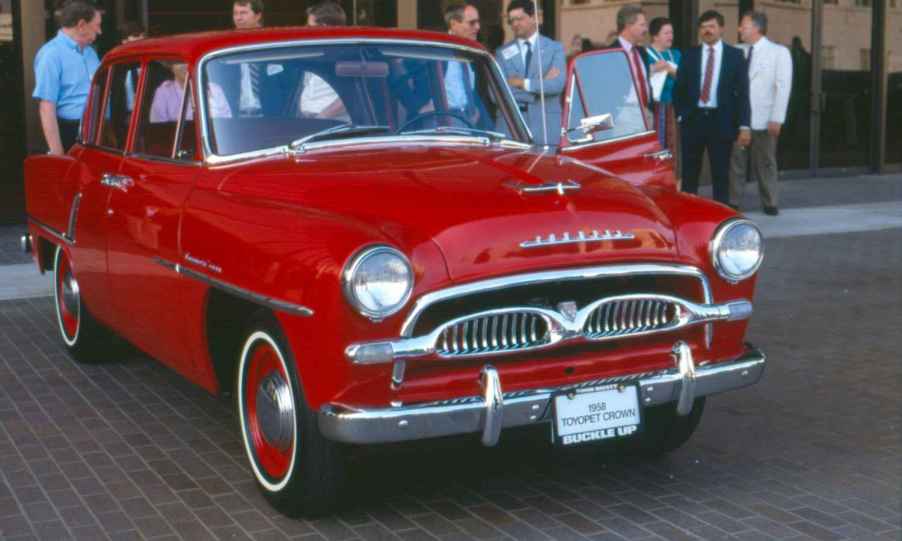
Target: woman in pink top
[{"x": 167, "y": 99}]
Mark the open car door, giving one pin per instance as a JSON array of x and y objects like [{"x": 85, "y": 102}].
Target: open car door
[{"x": 605, "y": 125}]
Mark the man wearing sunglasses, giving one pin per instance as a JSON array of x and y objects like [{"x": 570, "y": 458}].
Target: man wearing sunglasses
[{"x": 519, "y": 60}]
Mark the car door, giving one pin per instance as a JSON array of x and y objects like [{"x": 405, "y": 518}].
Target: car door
[
  {"x": 145, "y": 210},
  {"x": 604, "y": 124},
  {"x": 87, "y": 220}
]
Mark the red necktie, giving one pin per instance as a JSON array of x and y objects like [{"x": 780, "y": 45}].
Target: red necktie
[
  {"x": 640, "y": 77},
  {"x": 709, "y": 76}
]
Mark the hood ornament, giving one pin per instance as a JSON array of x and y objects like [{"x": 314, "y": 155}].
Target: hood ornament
[
  {"x": 559, "y": 186},
  {"x": 567, "y": 238}
]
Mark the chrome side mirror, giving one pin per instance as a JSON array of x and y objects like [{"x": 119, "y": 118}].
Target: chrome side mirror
[{"x": 590, "y": 125}]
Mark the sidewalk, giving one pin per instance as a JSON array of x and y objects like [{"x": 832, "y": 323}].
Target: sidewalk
[{"x": 817, "y": 206}]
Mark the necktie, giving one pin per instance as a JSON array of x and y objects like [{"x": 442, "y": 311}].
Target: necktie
[
  {"x": 640, "y": 77},
  {"x": 709, "y": 76},
  {"x": 528, "y": 60},
  {"x": 254, "y": 72},
  {"x": 751, "y": 50}
]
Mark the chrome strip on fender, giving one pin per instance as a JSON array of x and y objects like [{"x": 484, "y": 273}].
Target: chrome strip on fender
[
  {"x": 58, "y": 235},
  {"x": 73, "y": 217},
  {"x": 275, "y": 304}
]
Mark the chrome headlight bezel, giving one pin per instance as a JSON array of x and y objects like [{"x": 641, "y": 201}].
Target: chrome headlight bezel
[
  {"x": 717, "y": 243},
  {"x": 353, "y": 267}
]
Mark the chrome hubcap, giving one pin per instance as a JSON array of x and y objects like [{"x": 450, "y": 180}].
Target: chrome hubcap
[
  {"x": 275, "y": 412},
  {"x": 70, "y": 293}
]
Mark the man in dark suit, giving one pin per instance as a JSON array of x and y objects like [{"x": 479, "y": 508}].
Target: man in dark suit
[
  {"x": 632, "y": 29},
  {"x": 711, "y": 98}
]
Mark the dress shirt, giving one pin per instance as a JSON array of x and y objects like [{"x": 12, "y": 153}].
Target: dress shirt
[
  {"x": 317, "y": 96},
  {"x": 628, "y": 49},
  {"x": 248, "y": 100},
  {"x": 715, "y": 79},
  {"x": 455, "y": 88},
  {"x": 533, "y": 39},
  {"x": 167, "y": 103},
  {"x": 63, "y": 71}
]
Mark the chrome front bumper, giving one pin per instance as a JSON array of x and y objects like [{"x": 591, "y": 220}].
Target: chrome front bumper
[{"x": 495, "y": 410}]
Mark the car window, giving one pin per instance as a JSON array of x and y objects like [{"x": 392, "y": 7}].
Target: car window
[
  {"x": 94, "y": 109},
  {"x": 161, "y": 108},
  {"x": 283, "y": 94},
  {"x": 603, "y": 84},
  {"x": 119, "y": 106}
]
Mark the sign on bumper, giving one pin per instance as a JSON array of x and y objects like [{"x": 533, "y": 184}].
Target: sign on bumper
[{"x": 597, "y": 414}]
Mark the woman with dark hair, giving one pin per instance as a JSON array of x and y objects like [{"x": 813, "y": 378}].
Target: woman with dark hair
[{"x": 663, "y": 63}]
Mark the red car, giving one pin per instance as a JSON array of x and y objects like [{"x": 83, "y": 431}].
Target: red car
[{"x": 351, "y": 232}]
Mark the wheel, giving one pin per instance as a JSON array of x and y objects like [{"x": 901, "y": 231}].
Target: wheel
[
  {"x": 298, "y": 470},
  {"x": 665, "y": 431},
  {"x": 436, "y": 114},
  {"x": 86, "y": 340}
]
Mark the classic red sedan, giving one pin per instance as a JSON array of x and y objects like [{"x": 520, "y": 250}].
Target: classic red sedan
[{"x": 350, "y": 231}]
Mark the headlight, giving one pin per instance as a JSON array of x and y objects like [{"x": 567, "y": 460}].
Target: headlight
[
  {"x": 737, "y": 250},
  {"x": 377, "y": 281}
]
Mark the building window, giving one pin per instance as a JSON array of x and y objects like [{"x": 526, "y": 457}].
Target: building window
[
  {"x": 863, "y": 3},
  {"x": 828, "y": 57},
  {"x": 865, "y": 59},
  {"x": 834, "y": 2}
]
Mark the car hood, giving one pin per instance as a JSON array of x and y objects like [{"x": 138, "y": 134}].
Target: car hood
[{"x": 473, "y": 202}]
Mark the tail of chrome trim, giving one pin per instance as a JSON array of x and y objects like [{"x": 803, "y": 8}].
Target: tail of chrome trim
[
  {"x": 269, "y": 302},
  {"x": 56, "y": 234},
  {"x": 494, "y": 410},
  {"x": 73, "y": 217}
]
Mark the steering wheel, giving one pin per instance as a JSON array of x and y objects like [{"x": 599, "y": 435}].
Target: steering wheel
[{"x": 429, "y": 114}]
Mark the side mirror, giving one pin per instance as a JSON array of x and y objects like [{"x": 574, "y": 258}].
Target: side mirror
[{"x": 590, "y": 125}]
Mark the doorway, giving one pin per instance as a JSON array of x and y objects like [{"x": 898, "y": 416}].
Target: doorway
[{"x": 12, "y": 115}]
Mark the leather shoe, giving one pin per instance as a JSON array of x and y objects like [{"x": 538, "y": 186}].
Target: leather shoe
[{"x": 771, "y": 211}]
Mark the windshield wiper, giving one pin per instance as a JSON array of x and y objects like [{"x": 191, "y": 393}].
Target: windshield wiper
[
  {"x": 456, "y": 130},
  {"x": 342, "y": 130}
]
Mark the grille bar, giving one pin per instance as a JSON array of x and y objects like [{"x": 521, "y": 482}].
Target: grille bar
[
  {"x": 494, "y": 333},
  {"x": 622, "y": 317}
]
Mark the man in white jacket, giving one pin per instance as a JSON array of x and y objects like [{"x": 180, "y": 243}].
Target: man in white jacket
[{"x": 770, "y": 82}]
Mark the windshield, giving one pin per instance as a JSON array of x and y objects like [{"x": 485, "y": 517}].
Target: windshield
[{"x": 291, "y": 95}]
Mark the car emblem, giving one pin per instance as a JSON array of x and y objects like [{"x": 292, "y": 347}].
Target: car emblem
[
  {"x": 567, "y": 238},
  {"x": 568, "y": 309}
]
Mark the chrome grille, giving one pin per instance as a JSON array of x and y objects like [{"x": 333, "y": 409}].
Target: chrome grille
[
  {"x": 623, "y": 317},
  {"x": 493, "y": 333}
]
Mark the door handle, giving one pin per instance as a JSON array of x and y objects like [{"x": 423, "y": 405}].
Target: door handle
[
  {"x": 661, "y": 155},
  {"x": 118, "y": 182}
]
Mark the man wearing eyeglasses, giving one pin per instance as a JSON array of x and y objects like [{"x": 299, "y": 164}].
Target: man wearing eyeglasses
[{"x": 519, "y": 60}]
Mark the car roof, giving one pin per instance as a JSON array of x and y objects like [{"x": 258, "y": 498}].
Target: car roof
[{"x": 192, "y": 47}]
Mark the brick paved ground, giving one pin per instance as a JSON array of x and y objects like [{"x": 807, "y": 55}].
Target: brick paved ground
[{"x": 129, "y": 451}]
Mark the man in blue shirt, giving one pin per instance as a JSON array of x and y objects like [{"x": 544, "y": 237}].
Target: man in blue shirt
[{"x": 63, "y": 70}]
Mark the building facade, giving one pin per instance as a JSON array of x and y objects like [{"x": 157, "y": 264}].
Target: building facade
[{"x": 845, "y": 112}]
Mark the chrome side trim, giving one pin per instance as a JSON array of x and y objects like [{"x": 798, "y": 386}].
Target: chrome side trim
[
  {"x": 270, "y": 302},
  {"x": 58, "y": 235},
  {"x": 73, "y": 217},
  {"x": 659, "y": 313},
  {"x": 474, "y": 414},
  {"x": 533, "y": 278},
  {"x": 214, "y": 159},
  {"x": 606, "y": 141}
]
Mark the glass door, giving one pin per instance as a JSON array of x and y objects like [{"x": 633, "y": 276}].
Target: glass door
[
  {"x": 12, "y": 126},
  {"x": 846, "y": 79}
]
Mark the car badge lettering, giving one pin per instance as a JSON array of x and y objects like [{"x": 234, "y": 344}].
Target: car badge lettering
[
  {"x": 559, "y": 186},
  {"x": 579, "y": 237}
]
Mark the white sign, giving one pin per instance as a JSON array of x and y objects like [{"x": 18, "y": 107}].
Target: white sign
[{"x": 596, "y": 415}]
